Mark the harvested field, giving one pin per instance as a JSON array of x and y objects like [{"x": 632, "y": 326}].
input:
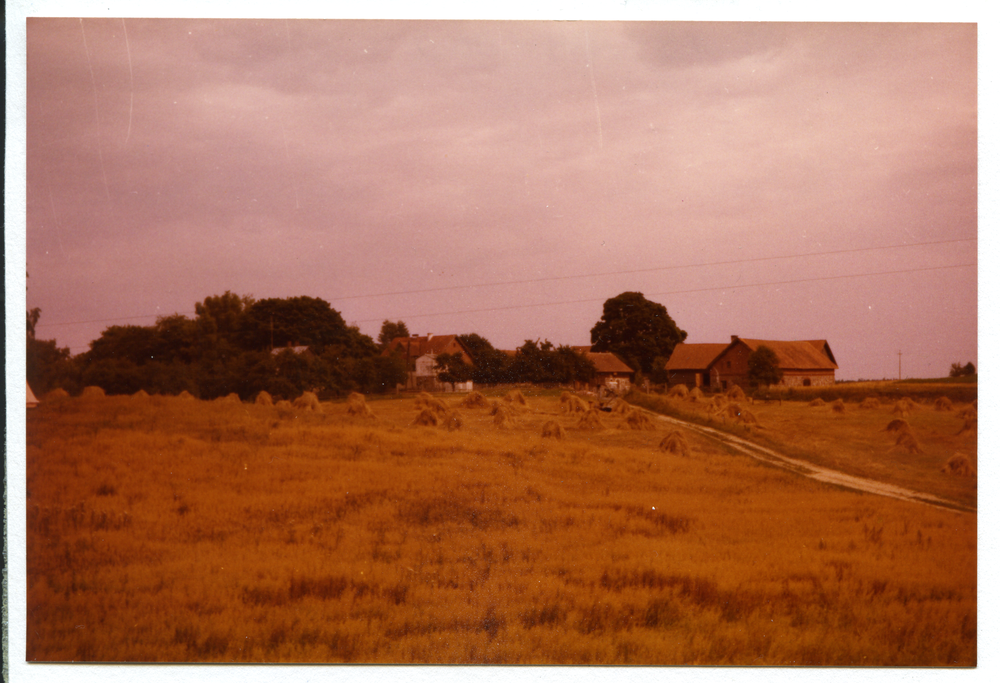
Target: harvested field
[{"x": 675, "y": 442}]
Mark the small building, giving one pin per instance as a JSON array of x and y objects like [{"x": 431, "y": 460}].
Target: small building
[
  {"x": 32, "y": 401},
  {"x": 611, "y": 372}
]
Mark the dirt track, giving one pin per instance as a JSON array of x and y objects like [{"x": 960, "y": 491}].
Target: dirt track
[{"x": 813, "y": 471}]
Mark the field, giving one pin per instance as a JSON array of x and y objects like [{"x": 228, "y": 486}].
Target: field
[{"x": 164, "y": 529}]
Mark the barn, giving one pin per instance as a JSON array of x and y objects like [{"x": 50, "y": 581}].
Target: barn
[
  {"x": 802, "y": 363},
  {"x": 689, "y": 364}
]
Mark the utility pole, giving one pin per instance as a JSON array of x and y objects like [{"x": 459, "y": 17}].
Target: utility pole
[{"x": 900, "y": 365}]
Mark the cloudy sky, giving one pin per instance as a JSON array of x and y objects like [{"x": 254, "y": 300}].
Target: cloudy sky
[{"x": 771, "y": 180}]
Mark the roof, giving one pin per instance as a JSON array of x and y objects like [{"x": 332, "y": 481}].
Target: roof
[
  {"x": 415, "y": 346},
  {"x": 607, "y": 362},
  {"x": 796, "y": 355},
  {"x": 694, "y": 356},
  {"x": 32, "y": 401}
]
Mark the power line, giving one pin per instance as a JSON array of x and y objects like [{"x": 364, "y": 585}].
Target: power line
[
  {"x": 676, "y": 291},
  {"x": 577, "y": 277},
  {"x": 650, "y": 270}
]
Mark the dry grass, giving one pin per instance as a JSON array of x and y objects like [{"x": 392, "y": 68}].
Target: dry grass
[
  {"x": 817, "y": 403},
  {"x": 264, "y": 399},
  {"x": 56, "y": 395},
  {"x": 870, "y": 403},
  {"x": 231, "y": 398},
  {"x": 358, "y": 406},
  {"x": 735, "y": 393},
  {"x": 427, "y": 418},
  {"x": 907, "y": 442},
  {"x": 186, "y": 396},
  {"x": 838, "y": 406},
  {"x": 553, "y": 430},
  {"x": 696, "y": 395},
  {"x": 590, "y": 420},
  {"x": 206, "y": 532},
  {"x": 571, "y": 403},
  {"x": 92, "y": 392},
  {"x": 503, "y": 418},
  {"x": 943, "y": 403},
  {"x": 141, "y": 395},
  {"x": 897, "y": 425},
  {"x": 307, "y": 401},
  {"x": 638, "y": 420},
  {"x": 452, "y": 421},
  {"x": 678, "y": 391},
  {"x": 430, "y": 402},
  {"x": 515, "y": 397},
  {"x": 474, "y": 400}
]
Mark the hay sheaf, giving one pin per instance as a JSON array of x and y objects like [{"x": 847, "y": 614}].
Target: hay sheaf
[
  {"x": 971, "y": 424},
  {"x": 516, "y": 397},
  {"x": 307, "y": 401},
  {"x": 357, "y": 405},
  {"x": 960, "y": 465},
  {"x": 141, "y": 395},
  {"x": 474, "y": 400},
  {"x": 870, "y": 404},
  {"x": 639, "y": 421},
  {"x": 735, "y": 393},
  {"x": 590, "y": 420},
  {"x": 229, "y": 398},
  {"x": 898, "y": 425},
  {"x": 749, "y": 419},
  {"x": 731, "y": 411},
  {"x": 571, "y": 403},
  {"x": 186, "y": 395},
  {"x": 503, "y": 418},
  {"x": 838, "y": 406},
  {"x": 553, "y": 430},
  {"x": 452, "y": 421},
  {"x": 901, "y": 408},
  {"x": 283, "y": 407},
  {"x": 619, "y": 406},
  {"x": 943, "y": 403},
  {"x": 968, "y": 411},
  {"x": 816, "y": 403},
  {"x": 908, "y": 442},
  {"x": 696, "y": 395},
  {"x": 675, "y": 442},
  {"x": 426, "y": 401},
  {"x": 264, "y": 399},
  {"x": 56, "y": 395},
  {"x": 427, "y": 418},
  {"x": 678, "y": 391},
  {"x": 92, "y": 392}
]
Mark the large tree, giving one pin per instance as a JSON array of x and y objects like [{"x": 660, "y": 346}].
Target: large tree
[
  {"x": 637, "y": 330},
  {"x": 301, "y": 320},
  {"x": 391, "y": 330},
  {"x": 490, "y": 366}
]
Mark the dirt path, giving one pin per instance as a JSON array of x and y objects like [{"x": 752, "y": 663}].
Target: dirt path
[{"x": 815, "y": 472}]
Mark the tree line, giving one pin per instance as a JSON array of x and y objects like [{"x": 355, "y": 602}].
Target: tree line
[{"x": 236, "y": 344}]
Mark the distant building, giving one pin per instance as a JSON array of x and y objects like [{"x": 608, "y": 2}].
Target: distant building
[
  {"x": 611, "y": 372},
  {"x": 720, "y": 366},
  {"x": 32, "y": 401},
  {"x": 420, "y": 354}
]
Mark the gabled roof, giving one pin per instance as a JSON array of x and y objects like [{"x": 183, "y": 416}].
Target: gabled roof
[
  {"x": 32, "y": 401},
  {"x": 694, "y": 356},
  {"x": 414, "y": 346},
  {"x": 607, "y": 362},
  {"x": 796, "y": 355}
]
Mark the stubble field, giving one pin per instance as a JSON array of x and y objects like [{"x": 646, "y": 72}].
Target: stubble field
[{"x": 164, "y": 529}]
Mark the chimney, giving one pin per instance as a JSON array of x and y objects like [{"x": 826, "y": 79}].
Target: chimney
[{"x": 734, "y": 337}]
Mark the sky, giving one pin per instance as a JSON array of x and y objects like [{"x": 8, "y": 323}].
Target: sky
[{"x": 768, "y": 180}]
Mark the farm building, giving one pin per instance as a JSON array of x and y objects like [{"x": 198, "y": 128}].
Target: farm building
[
  {"x": 720, "y": 366},
  {"x": 420, "y": 354},
  {"x": 612, "y": 373},
  {"x": 689, "y": 364}
]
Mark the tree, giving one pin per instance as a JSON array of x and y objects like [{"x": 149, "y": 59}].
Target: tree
[
  {"x": 959, "y": 370},
  {"x": 452, "y": 368},
  {"x": 763, "y": 367},
  {"x": 637, "y": 330},
  {"x": 218, "y": 317},
  {"x": 490, "y": 366},
  {"x": 391, "y": 330},
  {"x": 301, "y": 320}
]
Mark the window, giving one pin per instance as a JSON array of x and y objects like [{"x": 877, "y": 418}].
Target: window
[{"x": 807, "y": 382}]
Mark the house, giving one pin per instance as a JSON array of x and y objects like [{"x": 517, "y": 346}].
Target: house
[
  {"x": 720, "y": 366},
  {"x": 689, "y": 364},
  {"x": 420, "y": 354},
  {"x": 611, "y": 372},
  {"x": 32, "y": 401}
]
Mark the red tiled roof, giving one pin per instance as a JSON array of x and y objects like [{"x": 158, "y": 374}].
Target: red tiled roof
[
  {"x": 694, "y": 356},
  {"x": 607, "y": 362},
  {"x": 797, "y": 355}
]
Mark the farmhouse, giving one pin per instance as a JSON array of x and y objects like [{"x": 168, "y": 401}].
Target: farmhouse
[
  {"x": 720, "y": 366},
  {"x": 611, "y": 372},
  {"x": 420, "y": 354}
]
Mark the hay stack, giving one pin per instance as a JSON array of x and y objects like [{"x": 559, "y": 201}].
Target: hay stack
[
  {"x": 959, "y": 465},
  {"x": 696, "y": 395},
  {"x": 735, "y": 393},
  {"x": 971, "y": 424},
  {"x": 620, "y": 406},
  {"x": 718, "y": 401},
  {"x": 92, "y": 392},
  {"x": 968, "y": 411},
  {"x": 553, "y": 430},
  {"x": 515, "y": 397},
  {"x": 141, "y": 395},
  {"x": 943, "y": 403},
  {"x": 229, "y": 398},
  {"x": 908, "y": 442},
  {"x": 730, "y": 410},
  {"x": 426, "y": 401},
  {"x": 590, "y": 420},
  {"x": 474, "y": 400},
  {"x": 571, "y": 403},
  {"x": 816, "y": 403},
  {"x": 307, "y": 401},
  {"x": 56, "y": 395},
  {"x": 749, "y": 419},
  {"x": 838, "y": 406},
  {"x": 185, "y": 395},
  {"x": 898, "y": 425},
  {"x": 638, "y": 420},
  {"x": 356, "y": 405},
  {"x": 503, "y": 417},
  {"x": 902, "y": 409},
  {"x": 283, "y": 407},
  {"x": 264, "y": 399},
  {"x": 678, "y": 391},
  {"x": 427, "y": 418},
  {"x": 675, "y": 442},
  {"x": 870, "y": 404},
  {"x": 453, "y": 421}
]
